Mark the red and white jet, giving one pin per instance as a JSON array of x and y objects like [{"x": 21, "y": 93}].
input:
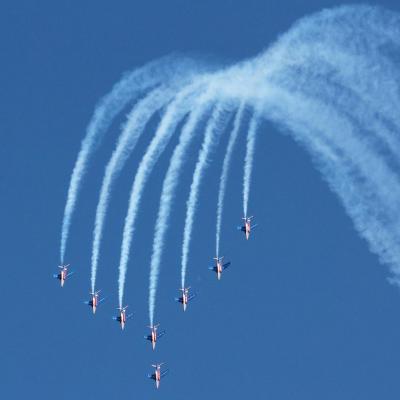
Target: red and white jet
[
  {"x": 154, "y": 335},
  {"x": 219, "y": 266},
  {"x": 122, "y": 317},
  {"x": 185, "y": 298},
  {"x": 157, "y": 374},
  {"x": 94, "y": 300},
  {"x": 247, "y": 227},
  {"x": 63, "y": 274}
]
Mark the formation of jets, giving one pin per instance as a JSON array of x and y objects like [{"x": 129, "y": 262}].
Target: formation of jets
[{"x": 122, "y": 317}]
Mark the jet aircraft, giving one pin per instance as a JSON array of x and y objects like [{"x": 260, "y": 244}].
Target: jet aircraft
[
  {"x": 122, "y": 317},
  {"x": 185, "y": 298},
  {"x": 219, "y": 266},
  {"x": 157, "y": 374},
  {"x": 94, "y": 300},
  {"x": 247, "y": 227},
  {"x": 63, "y": 274},
  {"x": 154, "y": 335}
]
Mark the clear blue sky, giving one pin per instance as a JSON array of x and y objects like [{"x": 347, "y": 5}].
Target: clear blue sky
[{"x": 305, "y": 311}]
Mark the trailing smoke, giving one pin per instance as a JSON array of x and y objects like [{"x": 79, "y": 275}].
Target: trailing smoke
[
  {"x": 214, "y": 128},
  {"x": 248, "y": 161},
  {"x": 224, "y": 174},
  {"x": 331, "y": 82}
]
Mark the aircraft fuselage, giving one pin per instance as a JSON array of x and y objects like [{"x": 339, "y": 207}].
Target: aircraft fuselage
[{"x": 248, "y": 229}]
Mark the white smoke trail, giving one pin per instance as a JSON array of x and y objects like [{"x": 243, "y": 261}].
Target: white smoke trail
[
  {"x": 332, "y": 82},
  {"x": 211, "y": 137},
  {"x": 136, "y": 122},
  {"x": 167, "y": 195},
  {"x": 173, "y": 115},
  {"x": 248, "y": 161},
  {"x": 354, "y": 170},
  {"x": 338, "y": 111},
  {"x": 129, "y": 87},
  {"x": 224, "y": 174}
]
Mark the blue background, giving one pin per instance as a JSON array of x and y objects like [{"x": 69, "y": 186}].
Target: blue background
[{"x": 304, "y": 312}]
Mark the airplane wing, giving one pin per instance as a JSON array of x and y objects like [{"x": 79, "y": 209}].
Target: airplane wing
[
  {"x": 101, "y": 300},
  {"x": 241, "y": 228},
  {"x": 148, "y": 337},
  {"x": 226, "y": 265},
  {"x": 129, "y": 316},
  {"x": 152, "y": 376},
  {"x": 161, "y": 333},
  {"x": 213, "y": 269},
  {"x": 56, "y": 276},
  {"x": 164, "y": 373},
  {"x": 70, "y": 273},
  {"x": 191, "y": 296},
  {"x": 253, "y": 226}
]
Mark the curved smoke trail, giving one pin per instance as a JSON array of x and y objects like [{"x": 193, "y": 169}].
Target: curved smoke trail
[
  {"x": 211, "y": 137},
  {"x": 332, "y": 83},
  {"x": 167, "y": 195},
  {"x": 173, "y": 115},
  {"x": 136, "y": 122},
  {"x": 335, "y": 107},
  {"x": 248, "y": 161},
  {"x": 129, "y": 87},
  {"x": 224, "y": 174}
]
